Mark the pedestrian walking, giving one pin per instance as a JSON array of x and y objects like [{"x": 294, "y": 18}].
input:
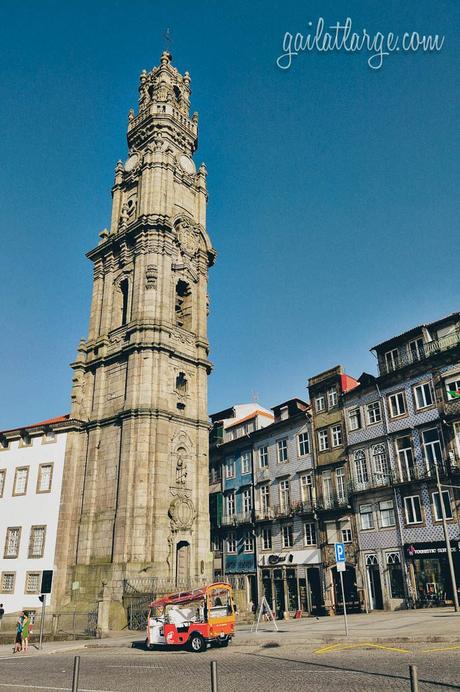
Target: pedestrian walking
[
  {"x": 25, "y": 633},
  {"x": 18, "y": 640},
  {"x": 2, "y": 613}
]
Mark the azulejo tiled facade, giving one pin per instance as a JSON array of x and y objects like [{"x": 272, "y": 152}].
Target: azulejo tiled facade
[{"x": 376, "y": 448}]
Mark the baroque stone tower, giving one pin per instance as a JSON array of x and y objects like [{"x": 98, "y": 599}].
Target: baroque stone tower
[{"x": 135, "y": 498}]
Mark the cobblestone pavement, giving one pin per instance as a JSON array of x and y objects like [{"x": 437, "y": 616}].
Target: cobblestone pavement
[{"x": 251, "y": 669}]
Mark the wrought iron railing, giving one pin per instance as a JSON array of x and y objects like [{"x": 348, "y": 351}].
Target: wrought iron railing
[{"x": 237, "y": 518}]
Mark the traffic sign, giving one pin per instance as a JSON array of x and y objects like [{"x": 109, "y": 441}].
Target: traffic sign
[
  {"x": 340, "y": 552},
  {"x": 341, "y": 567}
]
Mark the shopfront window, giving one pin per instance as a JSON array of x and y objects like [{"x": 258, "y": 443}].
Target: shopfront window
[{"x": 291, "y": 580}]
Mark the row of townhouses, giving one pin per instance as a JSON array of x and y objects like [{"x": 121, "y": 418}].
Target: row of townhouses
[{"x": 359, "y": 464}]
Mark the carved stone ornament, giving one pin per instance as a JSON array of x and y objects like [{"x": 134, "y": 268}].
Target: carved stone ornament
[
  {"x": 182, "y": 513},
  {"x": 151, "y": 275},
  {"x": 188, "y": 237}
]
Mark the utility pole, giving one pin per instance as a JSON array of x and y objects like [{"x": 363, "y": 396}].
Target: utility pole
[{"x": 446, "y": 537}]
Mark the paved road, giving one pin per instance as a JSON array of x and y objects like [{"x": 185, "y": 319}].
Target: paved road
[{"x": 248, "y": 669}]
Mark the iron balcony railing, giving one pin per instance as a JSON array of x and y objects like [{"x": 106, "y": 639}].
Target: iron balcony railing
[
  {"x": 378, "y": 480},
  {"x": 407, "y": 474},
  {"x": 427, "y": 350},
  {"x": 334, "y": 501},
  {"x": 274, "y": 511},
  {"x": 237, "y": 518}
]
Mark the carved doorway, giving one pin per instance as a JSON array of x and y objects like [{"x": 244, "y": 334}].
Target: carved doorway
[{"x": 183, "y": 564}]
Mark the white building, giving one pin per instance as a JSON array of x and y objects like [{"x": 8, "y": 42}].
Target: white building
[{"x": 31, "y": 466}]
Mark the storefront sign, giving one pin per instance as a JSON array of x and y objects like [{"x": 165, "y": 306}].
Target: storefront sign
[
  {"x": 296, "y": 557},
  {"x": 435, "y": 548}
]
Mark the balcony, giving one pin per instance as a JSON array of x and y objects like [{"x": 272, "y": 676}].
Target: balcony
[
  {"x": 276, "y": 511},
  {"x": 377, "y": 480},
  {"x": 418, "y": 472},
  {"x": 429, "y": 349},
  {"x": 333, "y": 502},
  {"x": 237, "y": 518}
]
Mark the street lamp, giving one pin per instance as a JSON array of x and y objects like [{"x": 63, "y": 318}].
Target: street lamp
[{"x": 446, "y": 537}]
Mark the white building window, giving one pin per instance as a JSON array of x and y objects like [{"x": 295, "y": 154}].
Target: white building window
[
  {"x": 327, "y": 488},
  {"x": 336, "y": 435},
  {"x": 284, "y": 495},
  {"x": 354, "y": 419},
  {"x": 387, "y": 513},
  {"x": 320, "y": 403},
  {"x": 230, "y": 502},
  {"x": 247, "y": 504},
  {"x": 323, "y": 440},
  {"x": 380, "y": 463},
  {"x": 309, "y": 534},
  {"x": 405, "y": 458},
  {"x": 332, "y": 397},
  {"x": 264, "y": 494},
  {"x": 230, "y": 467},
  {"x": 21, "y": 477},
  {"x": 397, "y": 404},
  {"x": 361, "y": 473},
  {"x": 416, "y": 349},
  {"x": 231, "y": 542},
  {"x": 263, "y": 457},
  {"x": 248, "y": 544},
  {"x": 413, "y": 509},
  {"x": 37, "y": 541},
  {"x": 453, "y": 388},
  {"x": 303, "y": 444},
  {"x": 282, "y": 450},
  {"x": 423, "y": 395},
  {"x": 33, "y": 582},
  {"x": 12, "y": 541},
  {"x": 306, "y": 488},
  {"x": 457, "y": 438},
  {"x": 245, "y": 463},
  {"x": 8, "y": 582},
  {"x": 267, "y": 539},
  {"x": 340, "y": 483},
  {"x": 432, "y": 448},
  {"x": 2, "y": 481},
  {"x": 374, "y": 414},
  {"x": 331, "y": 532},
  {"x": 437, "y": 505},
  {"x": 287, "y": 536},
  {"x": 45, "y": 475},
  {"x": 345, "y": 529},
  {"x": 367, "y": 517}
]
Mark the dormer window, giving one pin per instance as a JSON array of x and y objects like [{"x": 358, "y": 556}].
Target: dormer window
[{"x": 392, "y": 359}]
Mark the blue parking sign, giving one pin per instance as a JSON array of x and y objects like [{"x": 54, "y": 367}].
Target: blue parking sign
[{"x": 340, "y": 552}]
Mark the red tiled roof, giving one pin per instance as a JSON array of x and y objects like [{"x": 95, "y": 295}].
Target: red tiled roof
[{"x": 41, "y": 424}]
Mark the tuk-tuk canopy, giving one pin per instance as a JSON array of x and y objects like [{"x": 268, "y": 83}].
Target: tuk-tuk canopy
[{"x": 188, "y": 596}]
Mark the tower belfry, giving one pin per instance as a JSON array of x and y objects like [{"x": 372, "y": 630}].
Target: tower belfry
[{"x": 135, "y": 499}]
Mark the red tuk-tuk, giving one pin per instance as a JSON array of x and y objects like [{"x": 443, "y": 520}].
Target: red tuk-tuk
[{"x": 192, "y": 619}]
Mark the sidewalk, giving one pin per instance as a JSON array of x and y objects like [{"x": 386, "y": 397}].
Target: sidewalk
[{"x": 431, "y": 625}]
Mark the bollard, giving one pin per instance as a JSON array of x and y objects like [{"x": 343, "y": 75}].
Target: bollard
[
  {"x": 214, "y": 676},
  {"x": 413, "y": 679},
  {"x": 76, "y": 673}
]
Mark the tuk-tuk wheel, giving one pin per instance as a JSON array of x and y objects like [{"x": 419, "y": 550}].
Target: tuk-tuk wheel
[
  {"x": 197, "y": 643},
  {"x": 224, "y": 641}
]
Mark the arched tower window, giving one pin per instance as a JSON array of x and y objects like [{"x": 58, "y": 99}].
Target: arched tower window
[
  {"x": 124, "y": 289},
  {"x": 183, "y": 305},
  {"x": 181, "y": 383}
]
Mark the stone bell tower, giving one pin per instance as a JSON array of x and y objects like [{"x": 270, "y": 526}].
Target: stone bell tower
[{"x": 135, "y": 498}]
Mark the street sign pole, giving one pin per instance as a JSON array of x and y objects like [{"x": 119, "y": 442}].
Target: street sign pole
[
  {"x": 42, "y": 621},
  {"x": 343, "y": 601}
]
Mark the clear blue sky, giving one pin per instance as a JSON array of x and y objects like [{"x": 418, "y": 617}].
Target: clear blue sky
[{"x": 333, "y": 205}]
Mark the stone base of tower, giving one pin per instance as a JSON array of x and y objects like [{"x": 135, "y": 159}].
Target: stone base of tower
[{"x": 111, "y": 588}]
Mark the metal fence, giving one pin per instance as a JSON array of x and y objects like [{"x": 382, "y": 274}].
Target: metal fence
[{"x": 58, "y": 625}]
